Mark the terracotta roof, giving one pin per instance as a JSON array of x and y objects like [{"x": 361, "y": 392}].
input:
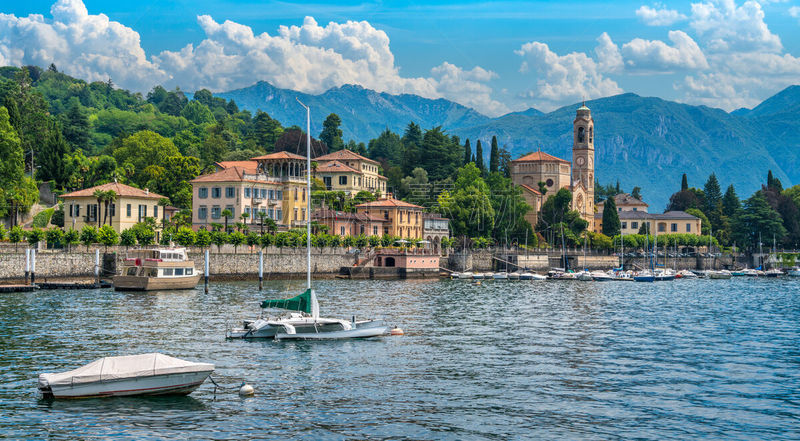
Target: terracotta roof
[
  {"x": 233, "y": 174},
  {"x": 119, "y": 189},
  {"x": 343, "y": 215},
  {"x": 278, "y": 155},
  {"x": 335, "y": 167},
  {"x": 248, "y": 166},
  {"x": 389, "y": 203},
  {"x": 625, "y": 199},
  {"x": 531, "y": 189},
  {"x": 344, "y": 155},
  {"x": 539, "y": 157}
]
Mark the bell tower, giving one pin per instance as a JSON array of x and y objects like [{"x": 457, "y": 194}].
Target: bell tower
[{"x": 583, "y": 158}]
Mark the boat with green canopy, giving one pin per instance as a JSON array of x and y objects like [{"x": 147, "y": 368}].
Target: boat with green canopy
[{"x": 302, "y": 320}]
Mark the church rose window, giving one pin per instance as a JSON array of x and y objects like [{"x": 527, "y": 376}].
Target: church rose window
[{"x": 549, "y": 182}]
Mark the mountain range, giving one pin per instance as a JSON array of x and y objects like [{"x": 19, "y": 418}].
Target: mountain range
[{"x": 640, "y": 141}]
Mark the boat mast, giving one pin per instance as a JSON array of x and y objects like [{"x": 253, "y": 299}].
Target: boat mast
[
  {"x": 308, "y": 192},
  {"x": 622, "y": 244}
]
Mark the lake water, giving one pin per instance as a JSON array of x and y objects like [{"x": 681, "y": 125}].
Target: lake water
[{"x": 687, "y": 359}]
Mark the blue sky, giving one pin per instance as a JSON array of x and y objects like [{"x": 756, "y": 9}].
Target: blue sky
[{"x": 493, "y": 56}]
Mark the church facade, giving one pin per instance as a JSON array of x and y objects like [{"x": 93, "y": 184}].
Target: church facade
[{"x": 540, "y": 175}]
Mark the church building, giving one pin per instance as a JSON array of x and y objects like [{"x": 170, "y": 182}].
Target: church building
[{"x": 555, "y": 173}]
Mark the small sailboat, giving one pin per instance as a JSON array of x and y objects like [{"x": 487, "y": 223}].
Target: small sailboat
[{"x": 304, "y": 322}]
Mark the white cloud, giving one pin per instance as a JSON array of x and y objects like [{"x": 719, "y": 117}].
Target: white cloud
[
  {"x": 724, "y": 26},
  {"x": 309, "y": 58},
  {"x": 561, "y": 78},
  {"x": 608, "y": 55},
  {"x": 794, "y": 11},
  {"x": 659, "y": 17},
  {"x": 649, "y": 55},
  {"x": 91, "y": 47}
]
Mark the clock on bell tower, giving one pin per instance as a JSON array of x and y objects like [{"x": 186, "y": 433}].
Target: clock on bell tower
[{"x": 583, "y": 156}]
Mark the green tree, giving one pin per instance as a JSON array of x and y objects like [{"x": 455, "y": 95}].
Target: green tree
[
  {"x": 236, "y": 238},
  {"x": 439, "y": 154},
  {"x": 467, "y": 152},
  {"x": 219, "y": 238},
  {"x": 54, "y": 237},
  {"x": 412, "y": 141},
  {"x": 52, "y": 155},
  {"x": 611, "y": 223},
  {"x": 266, "y": 131},
  {"x": 494, "y": 157},
  {"x": 226, "y": 214},
  {"x": 185, "y": 236},
  {"x": 107, "y": 236},
  {"x": 713, "y": 193},
  {"x": 16, "y": 235},
  {"x": 145, "y": 231},
  {"x": 684, "y": 183},
  {"x": 331, "y": 134},
  {"x": 510, "y": 209},
  {"x": 468, "y": 206},
  {"x": 71, "y": 238},
  {"x": 88, "y": 235},
  {"x": 198, "y": 113},
  {"x": 143, "y": 149},
  {"x": 637, "y": 193},
  {"x": 127, "y": 238},
  {"x": 705, "y": 224},
  {"x": 35, "y": 236},
  {"x": 202, "y": 238},
  {"x": 387, "y": 149},
  {"x": 756, "y": 218},
  {"x": 479, "y": 157},
  {"x": 730, "y": 202},
  {"x": 12, "y": 166},
  {"x": 76, "y": 128}
]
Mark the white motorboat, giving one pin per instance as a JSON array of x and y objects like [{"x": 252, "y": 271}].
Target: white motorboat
[
  {"x": 304, "y": 320},
  {"x": 539, "y": 277},
  {"x": 600, "y": 276},
  {"x": 525, "y": 275},
  {"x": 721, "y": 274},
  {"x": 774, "y": 272},
  {"x": 500, "y": 276},
  {"x": 488, "y": 275},
  {"x": 686, "y": 274},
  {"x": 514, "y": 276},
  {"x": 794, "y": 272},
  {"x": 454, "y": 275},
  {"x": 465, "y": 275},
  {"x": 584, "y": 276},
  {"x": 145, "y": 374},
  {"x": 477, "y": 275}
]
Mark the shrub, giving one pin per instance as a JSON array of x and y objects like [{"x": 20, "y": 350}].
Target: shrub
[
  {"x": 35, "y": 236},
  {"x": 71, "y": 237},
  {"x": 42, "y": 218},
  {"x": 185, "y": 236},
  {"x": 54, "y": 237},
  {"x": 127, "y": 238},
  {"x": 107, "y": 236}
]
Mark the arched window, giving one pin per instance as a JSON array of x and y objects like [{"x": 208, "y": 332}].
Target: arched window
[
  {"x": 580, "y": 134},
  {"x": 591, "y": 133}
]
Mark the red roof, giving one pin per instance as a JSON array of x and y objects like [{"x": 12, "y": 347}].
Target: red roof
[
  {"x": 248, "y": 166},
  {"x": 344, "y": 155},
  {"x": 388, "y": 203},
  {"x": 278, "y": 155},
  {"x": 539, "y": 157},
  {"x": 335, "y": 167},
  {"x": 531, "y": 189},
  {"x": 233, "y": 174},
  {"x": 119, "y": 189}
]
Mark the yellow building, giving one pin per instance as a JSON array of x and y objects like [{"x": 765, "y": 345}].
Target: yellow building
[
  {"x": 82, "y": 207},
  {"x": 400, "y": 218},
  {"x": 350, "y": 172},
  {"x": 276, "y": 187}
]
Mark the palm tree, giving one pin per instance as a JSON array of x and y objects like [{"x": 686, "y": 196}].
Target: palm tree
[
  {"x": 100, "y": 195},
  {"x": 111, "y": 197},
  {"x": 244, "y": 217},
  {"x": 261, "y": 216},
  {"x": 226, "y": 214}
]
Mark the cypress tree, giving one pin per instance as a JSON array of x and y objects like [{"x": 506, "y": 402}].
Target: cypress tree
[
  {"x": 611, "y": 224},
  {"x": 730, "y": 202},
  {"x": 713, "y": 193},
  {"x": 494, "y": 157},
  {"x": 684, "y": 183},
  {"x": 467, "y": 152},
  {"x": 479, "y": 157},
  {"x": 52, "y": 157}
]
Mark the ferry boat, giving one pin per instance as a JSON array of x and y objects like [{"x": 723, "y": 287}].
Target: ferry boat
[{"x": 157, "y": 269}]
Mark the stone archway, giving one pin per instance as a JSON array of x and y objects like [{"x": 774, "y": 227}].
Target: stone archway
[
  {"x": 389, "y": 261},
  {"x": 436, "y": 242}
]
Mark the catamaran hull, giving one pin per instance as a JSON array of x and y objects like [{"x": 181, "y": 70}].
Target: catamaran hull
[
  {"x": 336, "y": 335},
  {"x": 170, "y": 384}
]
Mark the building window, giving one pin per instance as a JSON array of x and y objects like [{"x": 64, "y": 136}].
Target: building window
[
  {"x": 113, "y": 210},
  {"x": 304, "y": 195},
  {"x": 263, "y": 193},
  {"x": 202, "y": 192},
  {"x": 279, "y": 214},
  {"x": 216, "y": 192},
  {"x": 662, "y": 228},
  {"x": 341, "y": 231},
  {"x": 230, "y": 192},
  {"x": 271, "y": 214},
  {"x": 386, "y": 214},
  {"x": 279, "y": 194},
  {"x": 272, "y": 194},
  {"x": 247, "y": 192},
  {"x": 400, "y": 216},
  {"x": 155, "y": 211},
  {"x": 215, "y": 212},
  {"x": 342, "y": 180},
  {"x": 295, "y": 196},
  {"x": 303, "y": 214},
  {"x": 202, "y": 212},
  {"x": 128, "y": 210},
  {"x": 624, "y": 225},
  {"x": 674, "y": 228},
  {"x": 688, "y": 228},
  {"x": 247, "y": 209},
  {"x": 635, "y": 209},
  {"x": 635, "y": 225},
  {"x": 374, "y": 231},
  {"x": 295, "y": 214},
  {"x": 70, "y": 210}
]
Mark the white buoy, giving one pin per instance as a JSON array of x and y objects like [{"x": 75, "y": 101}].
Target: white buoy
[{"x": 246, "y": 390}]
